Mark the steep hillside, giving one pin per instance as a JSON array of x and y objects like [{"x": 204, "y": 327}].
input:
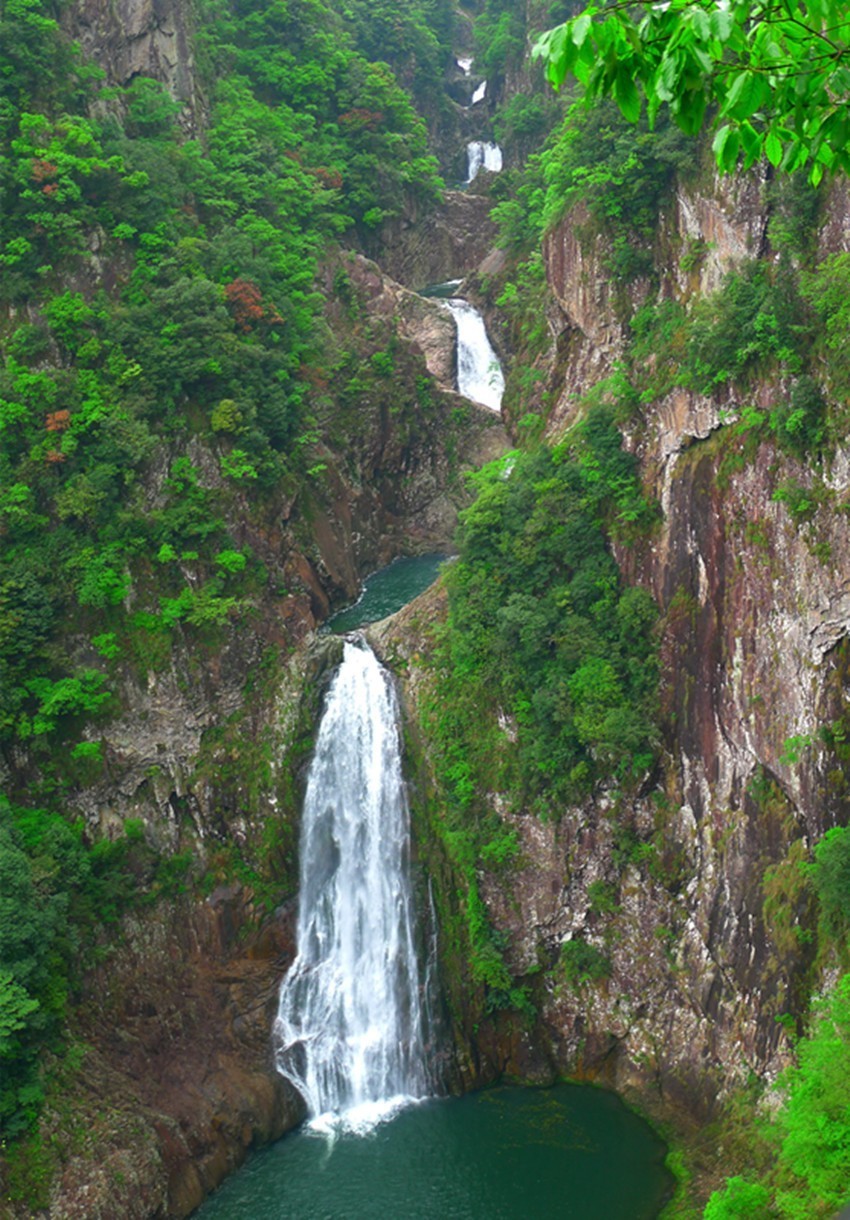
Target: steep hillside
[
  {"x": 638, "y": 904},
  {"x": 217, "y": 415}
]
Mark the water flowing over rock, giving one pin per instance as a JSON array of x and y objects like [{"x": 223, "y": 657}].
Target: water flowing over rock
[
  {"x": 482, "y": 154},
  {"x": 480, "y": 93},
  {"x": 351, "y": 1022},
  {"x": 479, "y": 374},
  {"x": 464, "y": 62}
]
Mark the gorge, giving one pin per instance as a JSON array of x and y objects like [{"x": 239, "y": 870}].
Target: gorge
[{"x": 225, "y": 400}]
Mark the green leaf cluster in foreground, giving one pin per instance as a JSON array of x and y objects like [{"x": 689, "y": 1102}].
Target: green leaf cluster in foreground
[{"x": 775, "y": 76}]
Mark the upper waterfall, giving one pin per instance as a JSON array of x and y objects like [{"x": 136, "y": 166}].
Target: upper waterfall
[
  {"x": 479, "y": 373},
  {"x": 482, "y": 153},
  {"x": 350, "y": 1030}
]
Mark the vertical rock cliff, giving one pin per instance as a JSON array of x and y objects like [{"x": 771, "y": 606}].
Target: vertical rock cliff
[{"x": 692, "y": 892}]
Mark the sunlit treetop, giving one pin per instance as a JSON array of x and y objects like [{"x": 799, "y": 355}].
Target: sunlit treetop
[{"x": 773, "y": 77}]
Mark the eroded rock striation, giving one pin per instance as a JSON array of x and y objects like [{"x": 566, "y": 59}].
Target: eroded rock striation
[{"x": 754, "y": 662}]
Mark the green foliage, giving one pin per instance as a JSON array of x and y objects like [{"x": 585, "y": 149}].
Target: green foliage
[
  {"x": 740, "y": 1199},
  {"x": 788, "y": 900},
  {"x": 231, "y": 561},
  {"x": 799, "y": 423},
  {"x": 772, "y": 78},
  {"x": 499, "y": 39},
  {"x": 416, "y": 40},
  {"x": 809, "y": 1179},
  {"x": 540, "y": 630},
  {"x": 524, "y": 120},
  {"x": 594, "y": 157},
  {"x": 583, "y": 962},
  {"x": 54, "y": 892},
  {"x": 602, "y": 896},
  {"x": 210, "y": 317},
  {"x": 545, "y": 674},
  {"x": 827, "y": 290},
  {"x": 831, "y": 877},
  {"x": 755, "y": 318},
  {"x": 814, "y": 1161}
]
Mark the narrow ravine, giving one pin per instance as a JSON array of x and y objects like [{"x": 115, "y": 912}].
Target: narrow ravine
[{"x": 354, "y": 1031}]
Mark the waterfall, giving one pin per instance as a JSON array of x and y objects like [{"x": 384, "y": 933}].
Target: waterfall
[
  {"x": 479, "y": 374},
  {"x": 351, "y": 1025},
  {"x": 481, "y": 152},
  {"x": 479, "y": 94},
  {"x": 464, "y": 62}
]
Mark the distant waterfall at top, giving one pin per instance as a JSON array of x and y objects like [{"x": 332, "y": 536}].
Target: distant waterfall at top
[
  {"x": 464, "y": 62},
  {"x": 351, "y": 1024},
  {"x": 481, "y": 153},
  {"x": 479, "y": 374}
]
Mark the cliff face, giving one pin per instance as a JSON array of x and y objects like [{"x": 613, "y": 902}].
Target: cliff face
[
  {"x": 674, "y": 887},
  {"x": 693, "y": 892},
  {"x": 176, "y": 1082},
  {"x": 139, "y": 38}
]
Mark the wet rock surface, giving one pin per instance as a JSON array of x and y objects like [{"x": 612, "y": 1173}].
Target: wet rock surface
[
  {"x": 176, "y": 1082},
  {"x": 446, "y": 244}
]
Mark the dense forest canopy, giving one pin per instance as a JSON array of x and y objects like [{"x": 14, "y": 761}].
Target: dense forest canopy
[{"x": 204, "y": 324}]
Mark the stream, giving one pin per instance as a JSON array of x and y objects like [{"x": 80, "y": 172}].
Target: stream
[
  {"x": 479, "y": 373},
  {"x": 354, "y": 1032},
  {"x": 387, "y": 590}
]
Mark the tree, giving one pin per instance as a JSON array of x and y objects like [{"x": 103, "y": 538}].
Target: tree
[{"x": 772, "y": 76}]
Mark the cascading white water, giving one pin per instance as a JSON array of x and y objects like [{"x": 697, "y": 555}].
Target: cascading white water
[
  {"x": 479, "y": 374},
  {"x": 464, "y": 62},
  {"x": 351, "y": 1025},
  {"x": 482, "y": 153},
  {"x": 479, "y": 94}
]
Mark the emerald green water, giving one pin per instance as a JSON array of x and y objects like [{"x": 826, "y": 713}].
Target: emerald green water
[
  {"x": 387, "y": 590},
  {"x": 572, "y": 1152}
]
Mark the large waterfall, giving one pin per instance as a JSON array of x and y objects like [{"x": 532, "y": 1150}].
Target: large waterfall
[
  {"x": 482, "y": 153},
  {"x": 479, "y": 374},
  {"x": 351, "y": 1023}
]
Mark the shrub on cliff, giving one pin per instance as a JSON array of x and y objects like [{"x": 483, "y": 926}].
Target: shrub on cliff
[
  {"x": 811, "y": 1177},
  {"x": 831, "y": 875},
  {"x": 541, "y": 633}
]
